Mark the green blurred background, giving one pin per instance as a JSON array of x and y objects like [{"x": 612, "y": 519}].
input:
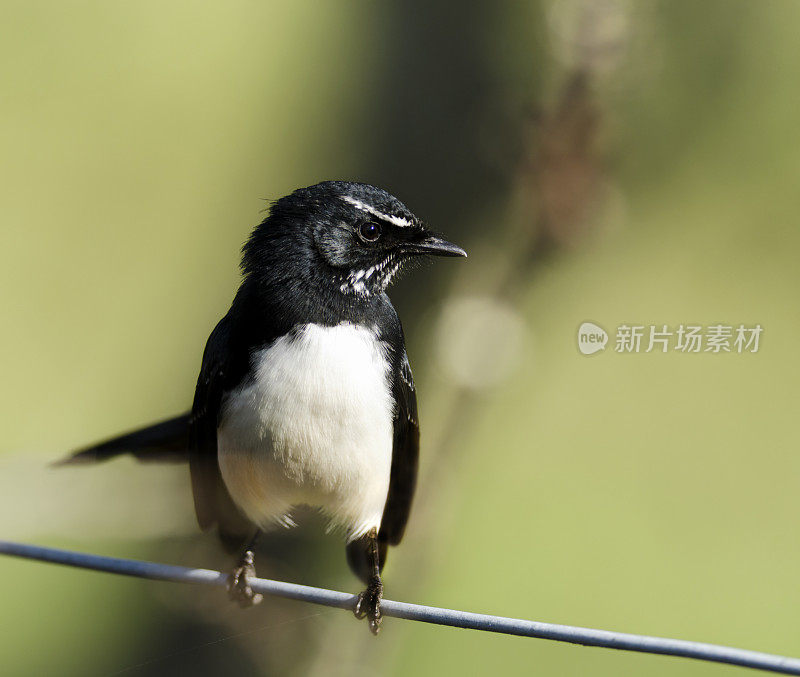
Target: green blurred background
[{"x": 612, "y": 161}]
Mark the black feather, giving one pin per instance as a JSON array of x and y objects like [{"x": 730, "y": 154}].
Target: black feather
[{"x": 165, "y": 442}]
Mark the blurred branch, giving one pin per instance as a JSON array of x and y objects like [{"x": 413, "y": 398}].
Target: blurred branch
[{"x": 416, "y": 612}]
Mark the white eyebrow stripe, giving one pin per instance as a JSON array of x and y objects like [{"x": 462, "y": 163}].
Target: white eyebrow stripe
[{"x": 396, "y": 220}]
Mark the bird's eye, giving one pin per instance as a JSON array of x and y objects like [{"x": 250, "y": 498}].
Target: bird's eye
[{"x": 369, "y": 231}]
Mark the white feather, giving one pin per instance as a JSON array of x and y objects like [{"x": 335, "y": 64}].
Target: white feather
[
  {"x": 369, "y": 209},
  {"x": 313, "y": 426}
]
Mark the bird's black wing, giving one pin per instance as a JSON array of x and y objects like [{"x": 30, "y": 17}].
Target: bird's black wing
[
  {"x": 405, "y": 455},
  {"x": 219, "y": 372}
]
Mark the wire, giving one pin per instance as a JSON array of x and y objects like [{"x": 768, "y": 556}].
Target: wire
[{"x": 417, "y": 612}]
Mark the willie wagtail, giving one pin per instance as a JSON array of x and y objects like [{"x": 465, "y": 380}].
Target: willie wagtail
[{"x": 305, "y": 394}]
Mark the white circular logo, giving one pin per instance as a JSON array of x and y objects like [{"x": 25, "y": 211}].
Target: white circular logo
[{"x": 591, "y": 338}]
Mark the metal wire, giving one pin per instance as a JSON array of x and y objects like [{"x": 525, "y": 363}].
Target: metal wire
[{"x": 418, "y": 612}]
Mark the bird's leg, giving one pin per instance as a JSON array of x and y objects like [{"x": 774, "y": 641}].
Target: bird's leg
[
  {"x": 369, "y": 601},
  {"x": 239, "y": 589}
]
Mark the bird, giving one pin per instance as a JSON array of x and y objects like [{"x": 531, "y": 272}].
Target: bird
[{"x": 305, "y": 394}]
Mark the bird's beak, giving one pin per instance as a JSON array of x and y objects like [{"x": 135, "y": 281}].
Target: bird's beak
[{"x": 435, "y": 246}]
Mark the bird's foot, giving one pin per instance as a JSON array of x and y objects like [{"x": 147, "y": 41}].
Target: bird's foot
[
  {"x": 239, "y": 589},
  {"x": 369, "y": 605}
]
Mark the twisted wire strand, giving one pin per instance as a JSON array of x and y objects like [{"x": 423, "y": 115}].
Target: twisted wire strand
[{"x": 418, "y": 612}]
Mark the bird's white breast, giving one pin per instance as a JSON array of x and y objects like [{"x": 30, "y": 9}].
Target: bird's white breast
[{"x": 312, "y": 426}]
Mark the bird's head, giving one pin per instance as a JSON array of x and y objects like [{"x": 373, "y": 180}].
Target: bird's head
[{"x": 355, "y": 234}]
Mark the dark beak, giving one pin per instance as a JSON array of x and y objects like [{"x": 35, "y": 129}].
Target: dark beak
[{"x": 435, "y": 246}]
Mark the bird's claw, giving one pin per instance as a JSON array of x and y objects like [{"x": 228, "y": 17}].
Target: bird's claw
[
  {"x": 239, "y": 589},
  {"x": 368, "y": 605}
]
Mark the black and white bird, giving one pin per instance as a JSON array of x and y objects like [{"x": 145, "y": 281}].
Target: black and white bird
[{"x": 305, "y": 394}]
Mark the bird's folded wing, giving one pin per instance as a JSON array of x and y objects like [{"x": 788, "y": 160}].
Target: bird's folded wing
[
  {"x": 405, "y": 455},
  {"x": 212, "y": 501}
]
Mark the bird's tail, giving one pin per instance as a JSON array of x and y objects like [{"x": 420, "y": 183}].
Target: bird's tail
[{"x": 166, "y": 442}]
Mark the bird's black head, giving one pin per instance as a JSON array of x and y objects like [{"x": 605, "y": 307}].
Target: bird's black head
[{"x": 352, "y": 236}]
